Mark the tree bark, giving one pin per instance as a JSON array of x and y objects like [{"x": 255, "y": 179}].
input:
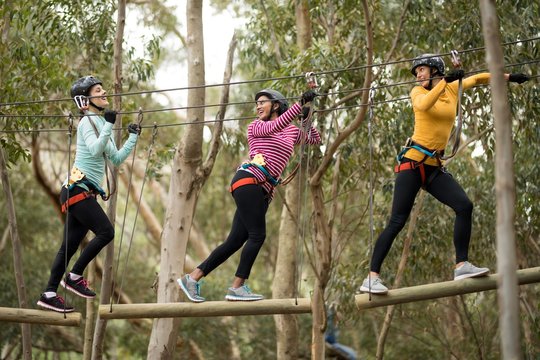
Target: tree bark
[
  {"x": 184, "y": 188},
  {"x": 322, "y": 238},
  {"x": 17, "y": 254},
  {"x": 505, "y": 193},
  {"x": 107, "y": 276},
  {"x": 286, "y": 275}
]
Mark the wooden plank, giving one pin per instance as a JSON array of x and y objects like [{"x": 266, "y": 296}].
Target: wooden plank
[
  {"x": 33, "y": 316},
  {"x": 441, "y": 289},
  {"x": 205, "y": 309}
]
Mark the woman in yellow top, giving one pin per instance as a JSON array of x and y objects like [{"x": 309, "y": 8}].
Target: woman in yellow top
[{"x": 434, "y": 103}]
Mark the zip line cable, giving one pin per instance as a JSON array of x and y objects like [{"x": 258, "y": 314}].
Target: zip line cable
[
  {"x": 290, "y": 77},
  {"x": 345, "y": 107},
  {"x": 242, "y": 102}
]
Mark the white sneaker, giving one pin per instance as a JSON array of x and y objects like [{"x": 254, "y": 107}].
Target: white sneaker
[
  {"x": 468, "y": 270},
  {"x": 375, "y": 287}
]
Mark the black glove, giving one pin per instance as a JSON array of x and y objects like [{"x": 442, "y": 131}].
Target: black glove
[
  {"x": 305, "y": 112},
  {"x": 454, "y": 75},
  {"x": 518, "y": 78},
  {"x": 134, "y": 129},
  {"x": 110, "y": 116},
  {"x": 308, "y": 96}
]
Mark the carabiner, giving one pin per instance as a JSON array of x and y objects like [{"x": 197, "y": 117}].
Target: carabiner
[
  {"x": 455, "y": 58},
  {"x": 311, "y": 80}
]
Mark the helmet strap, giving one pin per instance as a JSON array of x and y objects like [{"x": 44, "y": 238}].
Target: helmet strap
[{"x": 97, "y": 107}]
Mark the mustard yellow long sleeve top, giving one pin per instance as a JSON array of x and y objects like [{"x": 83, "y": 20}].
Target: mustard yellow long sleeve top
[{"x": 435, "y": 113}]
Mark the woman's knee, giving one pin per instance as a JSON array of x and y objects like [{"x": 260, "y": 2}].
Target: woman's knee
[
  {"x": 106, "y": 233},
  {"x": 397, "y": 222},
  {"x": 465, "y": 206}
]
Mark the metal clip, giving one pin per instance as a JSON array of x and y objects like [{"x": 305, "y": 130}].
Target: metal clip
[
  {"x": 81, "y": 101},
  {"x": 311, "y": 80},
  {"x": 455, "y": 58}
]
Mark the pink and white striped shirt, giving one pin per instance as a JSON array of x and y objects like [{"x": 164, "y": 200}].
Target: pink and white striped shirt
[{"x": 275, "y": 140}]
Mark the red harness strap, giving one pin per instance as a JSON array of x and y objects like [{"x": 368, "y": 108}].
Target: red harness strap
[
  {"x": 242, "y": 182},
  {"x": 75, "y": 199},
  {"x": 411, "y": 165}
]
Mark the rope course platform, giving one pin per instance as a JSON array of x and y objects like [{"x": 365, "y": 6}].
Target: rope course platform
[
  {"x": 205, "y": 309},
  {"x": 43, "y": 317},
  {"x": 303, "y": 305},
  {"x": 441, "y": 289}
]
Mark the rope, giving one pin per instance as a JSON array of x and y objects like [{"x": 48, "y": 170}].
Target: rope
[
  {"x": 457, "y": 130},
  {"x": 262, "y": 80},
  {"x": 66, "y": 273},
  {"x": 140, "y": 119},
  {"x": 150, "y": 148},
  {"x": 370, "y": 145}
]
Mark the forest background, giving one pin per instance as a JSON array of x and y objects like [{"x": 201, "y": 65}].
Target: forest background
[{"x": 45, "y": 46}]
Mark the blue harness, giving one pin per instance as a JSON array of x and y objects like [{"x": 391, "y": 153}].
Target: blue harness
[{"x": 273, "y": 181}]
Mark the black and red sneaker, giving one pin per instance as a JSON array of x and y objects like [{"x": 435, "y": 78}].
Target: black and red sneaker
[
  {"x": 55, "y": 303},
  {"x": 79, "y": 287}
]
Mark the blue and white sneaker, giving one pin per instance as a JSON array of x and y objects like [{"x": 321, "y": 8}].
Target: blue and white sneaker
[
  {"x": 191, "y": 288},
  {"x": 243, "y": 293}
]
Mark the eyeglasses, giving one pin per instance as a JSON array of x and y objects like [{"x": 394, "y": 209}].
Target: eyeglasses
[{"x": 261, "y": 102}]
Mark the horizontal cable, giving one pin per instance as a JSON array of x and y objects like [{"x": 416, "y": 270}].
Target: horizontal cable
[
  {"x": 18, "y": 103},
  {"x": 349, "y": 91}
]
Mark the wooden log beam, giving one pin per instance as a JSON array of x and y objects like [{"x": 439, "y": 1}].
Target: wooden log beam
[
  {"x": 33, "y": 316},
  {"x": 205, "y": 309},
  {"x": 441, "y": 289}
]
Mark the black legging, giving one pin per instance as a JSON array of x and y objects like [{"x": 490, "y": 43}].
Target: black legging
[
  {"x": 83, "y": 216},
  {"x": 248, "y": 227},
  {"x": 445, "y": 189}
]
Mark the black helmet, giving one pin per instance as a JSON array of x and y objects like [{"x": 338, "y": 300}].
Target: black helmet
[
  {"x": 82, "y": 86},
  {"x": 431, "y": 60},
  {"x": 275, "y": 96}
]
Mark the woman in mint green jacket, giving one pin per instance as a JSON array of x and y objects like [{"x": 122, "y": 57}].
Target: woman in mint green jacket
[{"x": 95, "y": 146}]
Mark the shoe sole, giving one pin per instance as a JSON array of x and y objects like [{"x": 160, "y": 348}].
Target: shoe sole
[
  {"x": 235, "y": 298},
  {"x": 75, "y": 291},
  {"x": 466, "y": 276},
  {"x": 367, "y": 290},
  {"x": 49, "y": 307},
  {"x": 186, "y": 292}
]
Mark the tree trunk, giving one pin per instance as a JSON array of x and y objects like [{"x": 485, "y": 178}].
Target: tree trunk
[
  {"x": 505, "y": 193},
  {"x": 285, "y": 282},
  {"x": 323, "y": 254},
  {"x": 107, "y": 276},
  {"x": 17, "y": 254},
  {"x": 286, "y": 276},
  {"x": 185, "y": 186}
]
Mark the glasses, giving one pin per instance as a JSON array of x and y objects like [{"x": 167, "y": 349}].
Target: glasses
[{"x": 261, "y": 102}]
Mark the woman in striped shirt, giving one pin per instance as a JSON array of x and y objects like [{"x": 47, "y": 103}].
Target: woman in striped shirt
[{"x": 271, "y": 139}]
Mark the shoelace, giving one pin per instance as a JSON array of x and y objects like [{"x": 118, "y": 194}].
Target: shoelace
[
  {"x": 197, "y": 289},
  {"x": 83, "y": 281},
  {"x": 247, "y": 289},
  {"x": 60, "y": 299}
]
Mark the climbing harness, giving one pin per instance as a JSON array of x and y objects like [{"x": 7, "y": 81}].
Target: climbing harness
[
  {"x": 243, "y": 182},
  {"x": 412, "y": 165},
  {"x": 259, "y": 163},
  {"x": 457, "y": 130}
]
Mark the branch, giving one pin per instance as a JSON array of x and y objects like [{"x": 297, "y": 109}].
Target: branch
[
  {"x": 329, "y": 155},
  {"x": 218, "y": 127}
]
